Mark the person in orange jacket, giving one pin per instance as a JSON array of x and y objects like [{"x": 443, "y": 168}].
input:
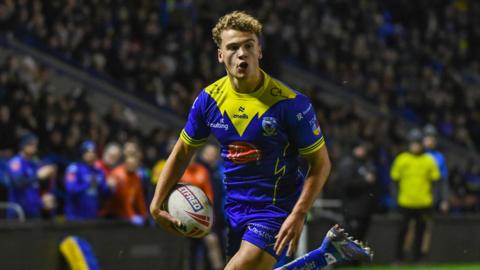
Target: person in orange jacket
[
  {"x": 128, "y": 200},
  {"x": 197, "y": 174}
]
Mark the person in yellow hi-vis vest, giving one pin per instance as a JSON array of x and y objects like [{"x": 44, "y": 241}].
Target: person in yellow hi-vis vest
[{"x": 415, "y": 172}]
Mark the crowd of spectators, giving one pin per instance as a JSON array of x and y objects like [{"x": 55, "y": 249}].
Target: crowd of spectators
[
  {"x": 404, "y": 59},
  {"x": 30, "y": 105}
]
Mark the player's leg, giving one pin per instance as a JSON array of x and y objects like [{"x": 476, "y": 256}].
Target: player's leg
[
  {"x": 251, "y": 257},
  {"x": 336, "y": 247},
  {"x": 402, "y": 233},
  {"x": 421, "y": 235}
]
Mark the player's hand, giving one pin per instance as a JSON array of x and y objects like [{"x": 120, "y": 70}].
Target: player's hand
[
  {"x": 47, "y": 171},
  {"x": 167, "y": 221},
  {"x": 289, "y": 234},
  {"x": 49, "y": 201}
]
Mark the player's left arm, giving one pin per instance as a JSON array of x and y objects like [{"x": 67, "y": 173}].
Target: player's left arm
[
  {"x": 319, "y": 169},
  {"x": 305, "y": 132}
]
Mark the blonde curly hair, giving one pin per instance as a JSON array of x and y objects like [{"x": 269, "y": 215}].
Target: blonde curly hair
[{"x": 236, "y": 20}]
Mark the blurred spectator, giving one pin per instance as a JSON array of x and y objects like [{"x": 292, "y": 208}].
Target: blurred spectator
[
  {"x": 466, "y": 188},
  {"x": 411, "y": 68},
  {"x": 110, "y": 158},
  {"x": 210, "y": 158},
  {"x": 26, "y": 174},
  {"x": 422, "y": 69},
  {"x": 414, "y": 171},
  {"x": 127, "y": 201},
  {"x": 158, "y": 167},
  {"x": 7, "y": 126},
  {"x": 196, "y": 174},
  {"x": 472, "y": 187},
  {"x": 4, "y": 183},
  {"x": 442, "y": 189},
  {"x": 356, "y": 178},
  {"x": 132, "y": 148},
  {"x": 85, "y": 185}
]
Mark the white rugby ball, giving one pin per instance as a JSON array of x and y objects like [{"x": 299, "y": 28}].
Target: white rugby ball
[{"x": 191, "y": 206}]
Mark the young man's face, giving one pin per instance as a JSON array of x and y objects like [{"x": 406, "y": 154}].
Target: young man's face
[
  {"x": 430, "y": 142},
  {"x": 89, "y": 157},
  {"x": 415, "y": 147},
  {"x": 240, "y": 52},
  {"x": 31, "y": 149},
  {"x": 131, "y": 163}
]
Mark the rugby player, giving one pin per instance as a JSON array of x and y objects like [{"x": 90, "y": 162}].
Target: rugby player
[{"x": 263, "y": 128}]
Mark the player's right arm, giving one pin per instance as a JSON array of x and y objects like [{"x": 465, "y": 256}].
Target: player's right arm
[
  {"x": 173, "y": 170},
  {"x": 193, "y": 135}
]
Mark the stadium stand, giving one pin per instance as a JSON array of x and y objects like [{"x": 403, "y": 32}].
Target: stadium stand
[
  {"x": 397, "y": 65},
  {"x": 162, "y": 52}
]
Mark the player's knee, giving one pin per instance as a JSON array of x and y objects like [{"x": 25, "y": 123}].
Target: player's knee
[{"x": 246, "y": 260}]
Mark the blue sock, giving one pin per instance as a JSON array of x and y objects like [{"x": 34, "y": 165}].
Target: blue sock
[{"x": 316, "y": 259}]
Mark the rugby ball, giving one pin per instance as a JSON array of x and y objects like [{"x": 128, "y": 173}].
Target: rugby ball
[{"x": 191, "y": 206}]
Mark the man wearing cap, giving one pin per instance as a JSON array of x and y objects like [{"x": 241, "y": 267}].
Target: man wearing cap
[
  {"x": 430, "y": 142},
  {"x": 26, "y": 174},
  {"x": 356, "y": 178},
  {"x": 85, "y": 185},
  {"x": 414, "y": 171}
]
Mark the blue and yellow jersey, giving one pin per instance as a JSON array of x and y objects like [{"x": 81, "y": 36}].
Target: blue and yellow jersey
[{"x": 261, "y": 136}]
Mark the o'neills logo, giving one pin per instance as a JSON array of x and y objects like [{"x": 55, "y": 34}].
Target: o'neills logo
[
  {"x": 241, "y": 116},
  {"x": 243, "y": 152},
  {"x": 191, "y": 198}
]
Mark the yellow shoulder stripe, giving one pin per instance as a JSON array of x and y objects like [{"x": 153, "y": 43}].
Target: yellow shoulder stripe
[
  {"x": 313, "y": 147},
  {"x": 190, "y": 141}
]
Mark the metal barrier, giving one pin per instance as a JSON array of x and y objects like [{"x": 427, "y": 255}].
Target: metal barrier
[
  {"x": 325, "y": 209},
  {"x": 329, "y": 209},
  {"x": 15, "y": 207}
]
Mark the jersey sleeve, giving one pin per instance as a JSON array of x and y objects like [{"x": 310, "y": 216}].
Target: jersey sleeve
[
  {"x": 442, "y": 164},
  {"x": 196, "y": 131},
  {"x": 395, "y": 171},
  {"x": 72, "y": 184},
  {"x": 435, "y": 173},
  {"x": 304, "y": 126}
]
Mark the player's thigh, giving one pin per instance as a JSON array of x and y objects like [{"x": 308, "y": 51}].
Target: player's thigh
[{"x": 251, "y": 257}]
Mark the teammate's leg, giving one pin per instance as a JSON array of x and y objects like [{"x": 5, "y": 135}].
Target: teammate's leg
[{"x": 251, "y": 257}]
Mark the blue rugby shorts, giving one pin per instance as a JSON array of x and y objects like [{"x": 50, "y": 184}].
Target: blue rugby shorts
[{"x": 257, "y": 224}]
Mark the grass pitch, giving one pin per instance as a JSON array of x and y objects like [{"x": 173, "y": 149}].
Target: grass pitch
[{"x": 419, "y": 267}]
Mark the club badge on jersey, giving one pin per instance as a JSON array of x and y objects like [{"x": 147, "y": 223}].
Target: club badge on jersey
[{"x": 269, "y": 125}]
